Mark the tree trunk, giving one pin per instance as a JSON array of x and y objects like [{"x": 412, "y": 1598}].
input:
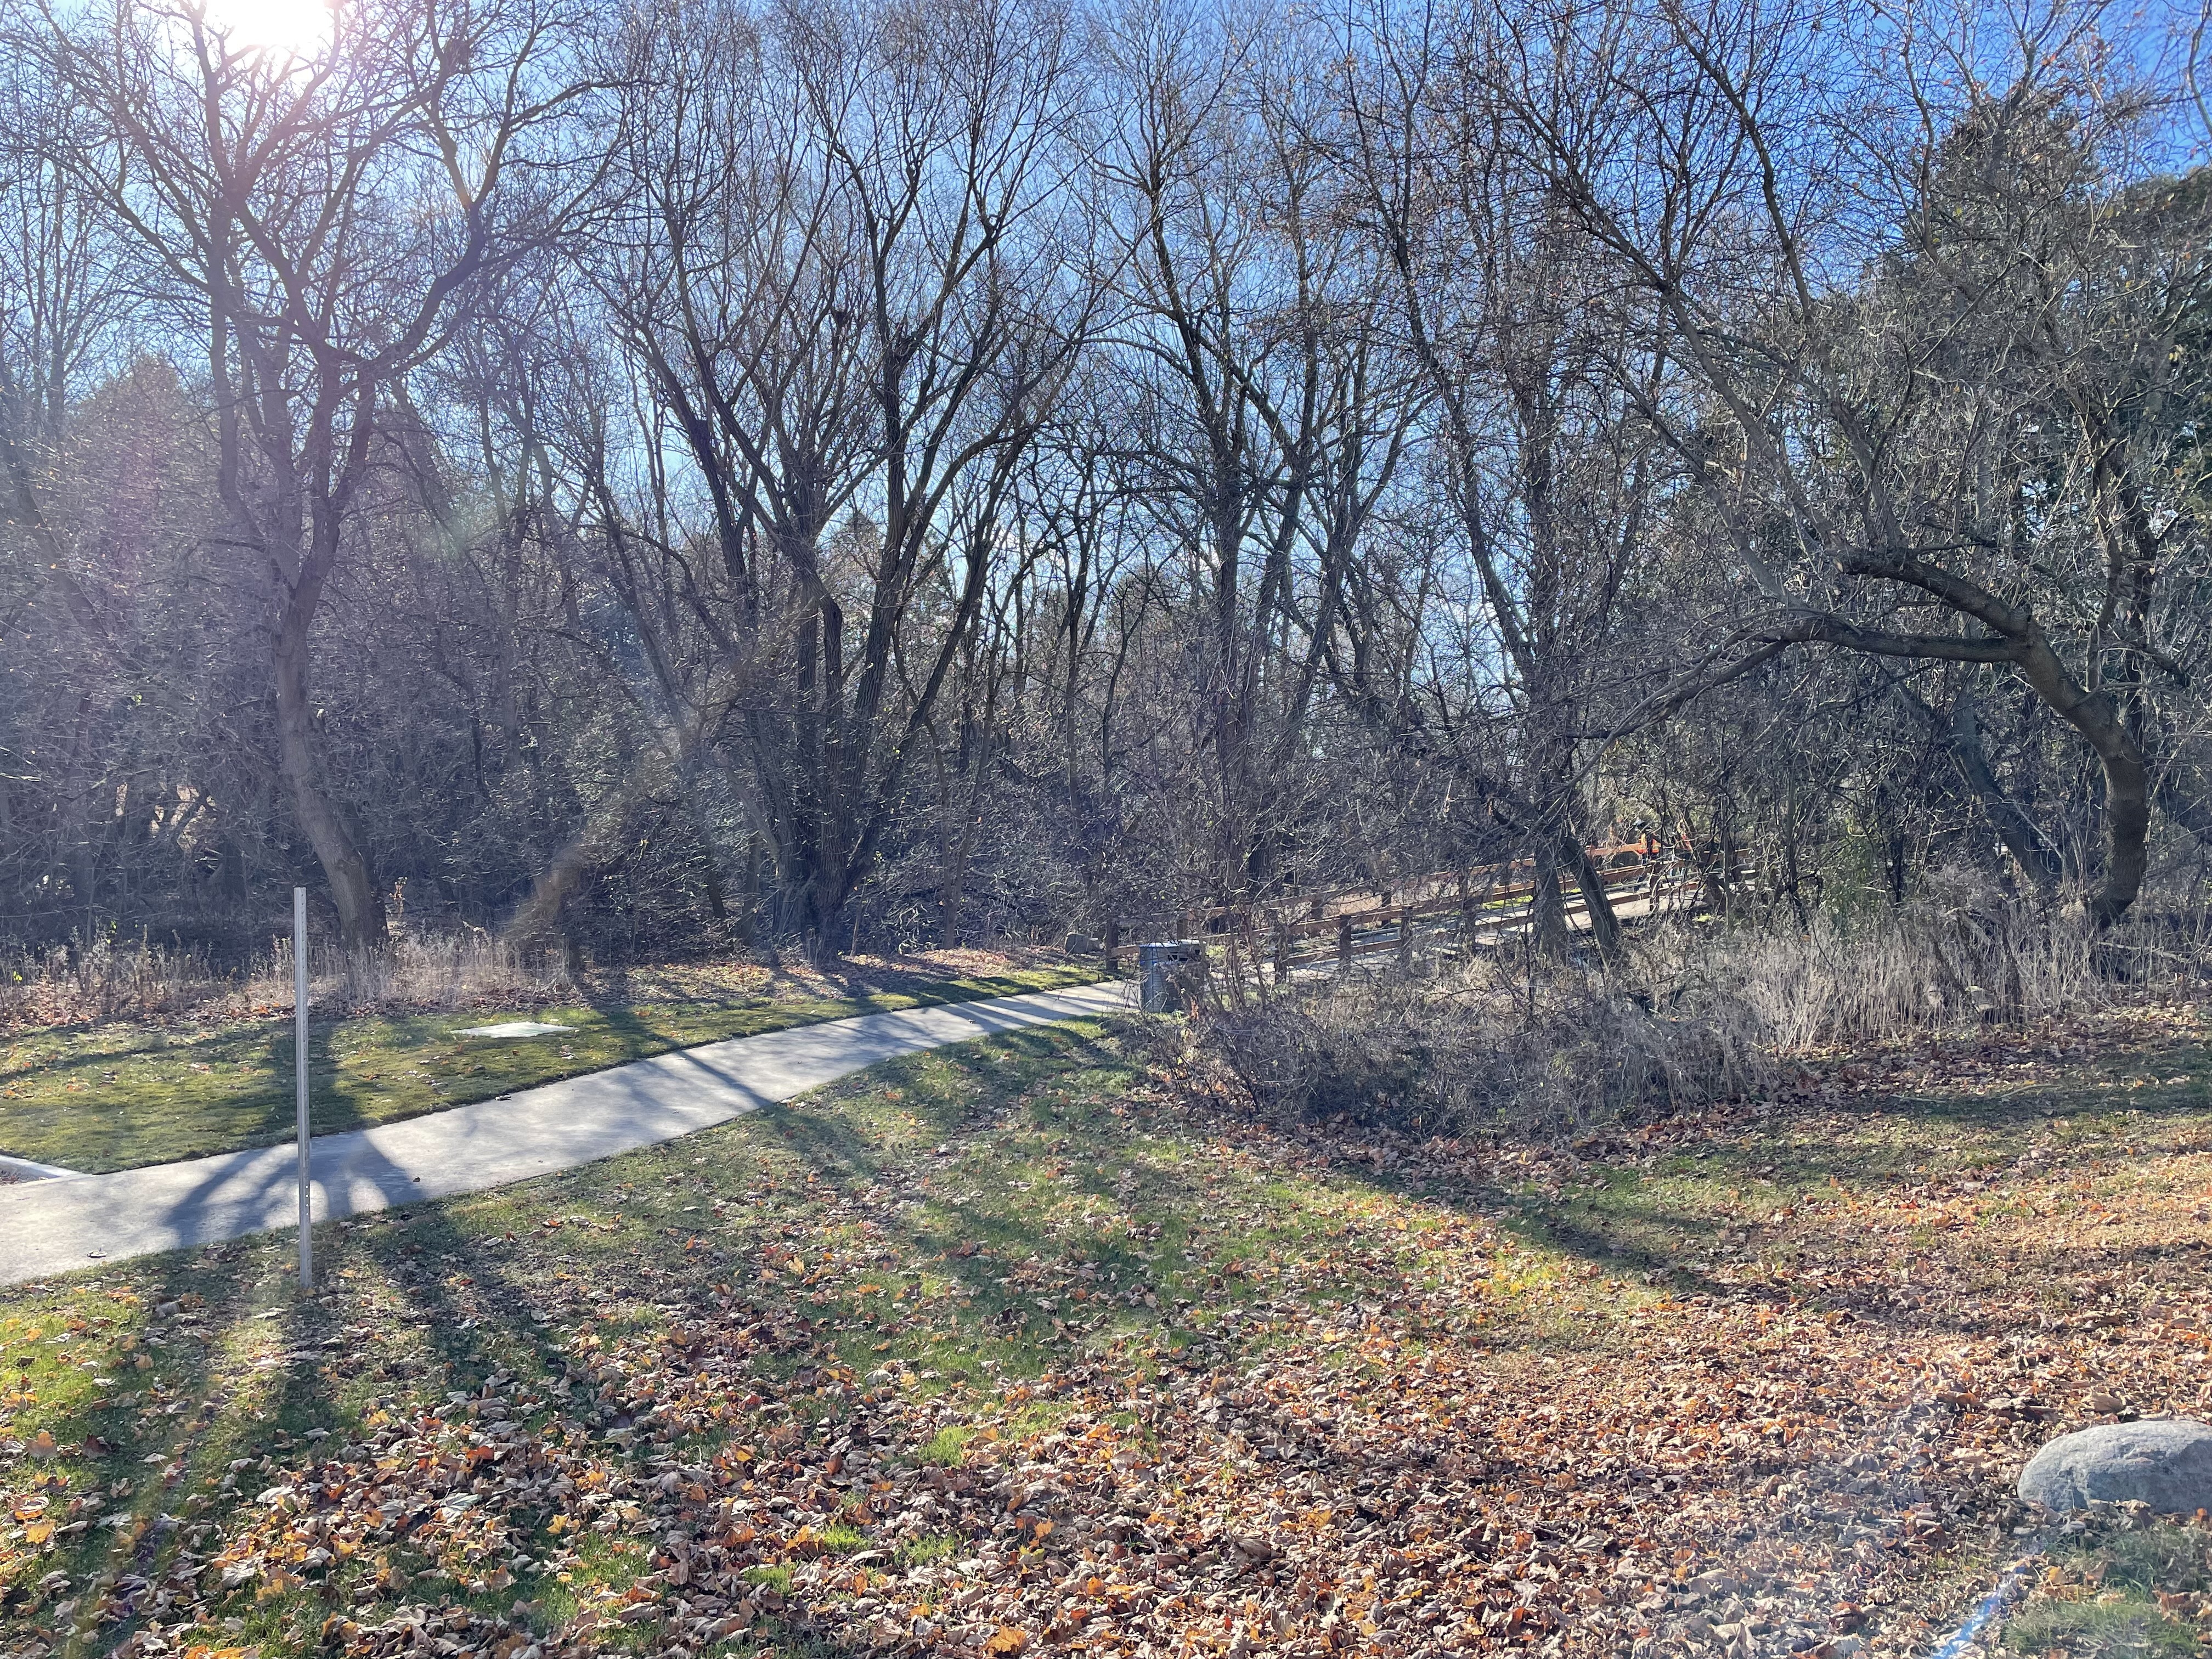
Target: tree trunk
[
  {"x": 2038, "y": 859},
  {"x": 1548, "y": 910},
  {"x": 1605, "y": 924},
  {"x": 2127, "y": 778},
  {"x": 952, "y": 879},
  {"x": 749, "y": 906},
  {"x": 692, "y": 779},
  {"x": 353, "y": 888}
]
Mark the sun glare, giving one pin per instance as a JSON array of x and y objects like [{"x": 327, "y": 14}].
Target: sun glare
[{"x": 293, "y": 28}]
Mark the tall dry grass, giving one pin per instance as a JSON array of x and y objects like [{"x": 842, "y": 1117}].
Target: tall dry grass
[
  {"x": 79, "y": 983},
  {"x": 1697, "y": 1011},
  {"x": 1483, "y": 1046},
  {"x": 1957, "y": 958}
]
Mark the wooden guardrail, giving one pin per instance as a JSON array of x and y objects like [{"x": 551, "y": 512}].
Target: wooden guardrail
[
  {"x": 1483, "y": 898},
  {"x": 1496, "y": 879}
]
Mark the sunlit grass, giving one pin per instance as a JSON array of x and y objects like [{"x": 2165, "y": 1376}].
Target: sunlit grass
[
  {"x": 1072, "y": 1211},
  {"x": 118, "y": 1095}
]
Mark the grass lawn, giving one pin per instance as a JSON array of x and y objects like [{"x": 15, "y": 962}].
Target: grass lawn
[
  {"x": 2111, "y": 1588},
  {"x": 1034, "y": 1345},
  {"x": 114, "y": 1096}
]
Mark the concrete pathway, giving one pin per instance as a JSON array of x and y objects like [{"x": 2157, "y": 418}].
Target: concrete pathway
[{"x": 53, "y": 1226}]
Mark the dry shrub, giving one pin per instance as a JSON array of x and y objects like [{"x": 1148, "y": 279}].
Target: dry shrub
[
  {"x": 82, "y": 984},
  {"x": 469, "y": 969},
  {"x": 1962, "y": 956},
  {"x": 1700, "y": 1011},
  {"x": 1482, "y": 1049},
  {"x": 79, "y": 983}
]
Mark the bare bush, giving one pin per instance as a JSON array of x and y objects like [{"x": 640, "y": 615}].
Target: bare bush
[
  {"x": 469, "y": 969},
  {"x": 105, "y": 980},
  {"x": 1482, "y": 1049},
  {"x": 1960, "y": 956},
  {"x": 81, "y": 984},
  {"x": 1697, "y": 1011}
]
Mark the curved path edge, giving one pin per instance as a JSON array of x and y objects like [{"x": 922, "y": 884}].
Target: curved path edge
[{"x": 49, "y": 1227}]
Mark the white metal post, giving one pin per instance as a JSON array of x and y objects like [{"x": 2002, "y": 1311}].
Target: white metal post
[{"x": 299, "y": 1070}]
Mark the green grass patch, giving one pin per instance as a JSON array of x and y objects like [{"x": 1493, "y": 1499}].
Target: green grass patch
[
  {"x": 934, "y": 1546},
  {"x": 2130, "y": 1626},
  {"x": 946, "y": 1448},
  {"x": 2101, "y": 1600},
  {"x": 118, "y": 1095},
  {"x": 950, "y": 1228}
]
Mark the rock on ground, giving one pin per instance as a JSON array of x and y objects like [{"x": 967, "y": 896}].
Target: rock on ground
[{"x": 2166, "y": 1465}]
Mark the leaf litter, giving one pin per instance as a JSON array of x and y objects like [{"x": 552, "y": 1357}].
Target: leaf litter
[{"x": 1102, "y": 1363}]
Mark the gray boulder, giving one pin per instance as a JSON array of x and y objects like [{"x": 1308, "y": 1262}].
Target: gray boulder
[{"x": 2166, "y": 1465}]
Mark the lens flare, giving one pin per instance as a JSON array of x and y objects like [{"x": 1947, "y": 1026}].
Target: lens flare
[{"x": 292, "y": 28}]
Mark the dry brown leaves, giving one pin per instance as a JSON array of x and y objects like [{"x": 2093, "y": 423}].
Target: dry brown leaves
[{"x": 1367, "y": 1453}]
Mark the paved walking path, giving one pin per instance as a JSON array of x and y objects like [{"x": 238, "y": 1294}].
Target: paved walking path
[{"x": 53, "y": 1226}]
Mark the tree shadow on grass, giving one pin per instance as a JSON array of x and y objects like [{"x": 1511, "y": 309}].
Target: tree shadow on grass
[
  {"x": 1668, "y": 1240},
  {"x": 973, "y": 1243},
  {"x": 470, "y": 1329},
  {"x": 267, "y": 1372},
  {"x": 2021, "y": 1103},
  {"x": 465, "y": 1299}
]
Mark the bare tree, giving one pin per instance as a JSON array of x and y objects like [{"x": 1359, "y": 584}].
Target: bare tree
[
  {"x": 1270, "y": 417},
  {"x": 1928, "y": 331},
  {"x": 837, "y": 258},
  {"x": 318, "y": 220},
  {"x": 1544, "y": 462}
]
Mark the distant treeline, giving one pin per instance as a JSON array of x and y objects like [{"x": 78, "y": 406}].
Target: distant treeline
[{"x": 681, "y": 475}]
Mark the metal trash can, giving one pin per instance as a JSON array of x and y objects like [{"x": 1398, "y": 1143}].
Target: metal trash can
[{"x": 1168, "y": 975}]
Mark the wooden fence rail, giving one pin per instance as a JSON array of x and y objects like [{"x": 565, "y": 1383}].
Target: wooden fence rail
[{"x": 1458, "y": 905}]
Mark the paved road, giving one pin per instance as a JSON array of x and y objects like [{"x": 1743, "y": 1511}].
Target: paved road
[{"x": 56, "y": 1225}]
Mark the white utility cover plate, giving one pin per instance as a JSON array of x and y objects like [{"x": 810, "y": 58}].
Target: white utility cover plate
[{"x": 515, "y": 1028}]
